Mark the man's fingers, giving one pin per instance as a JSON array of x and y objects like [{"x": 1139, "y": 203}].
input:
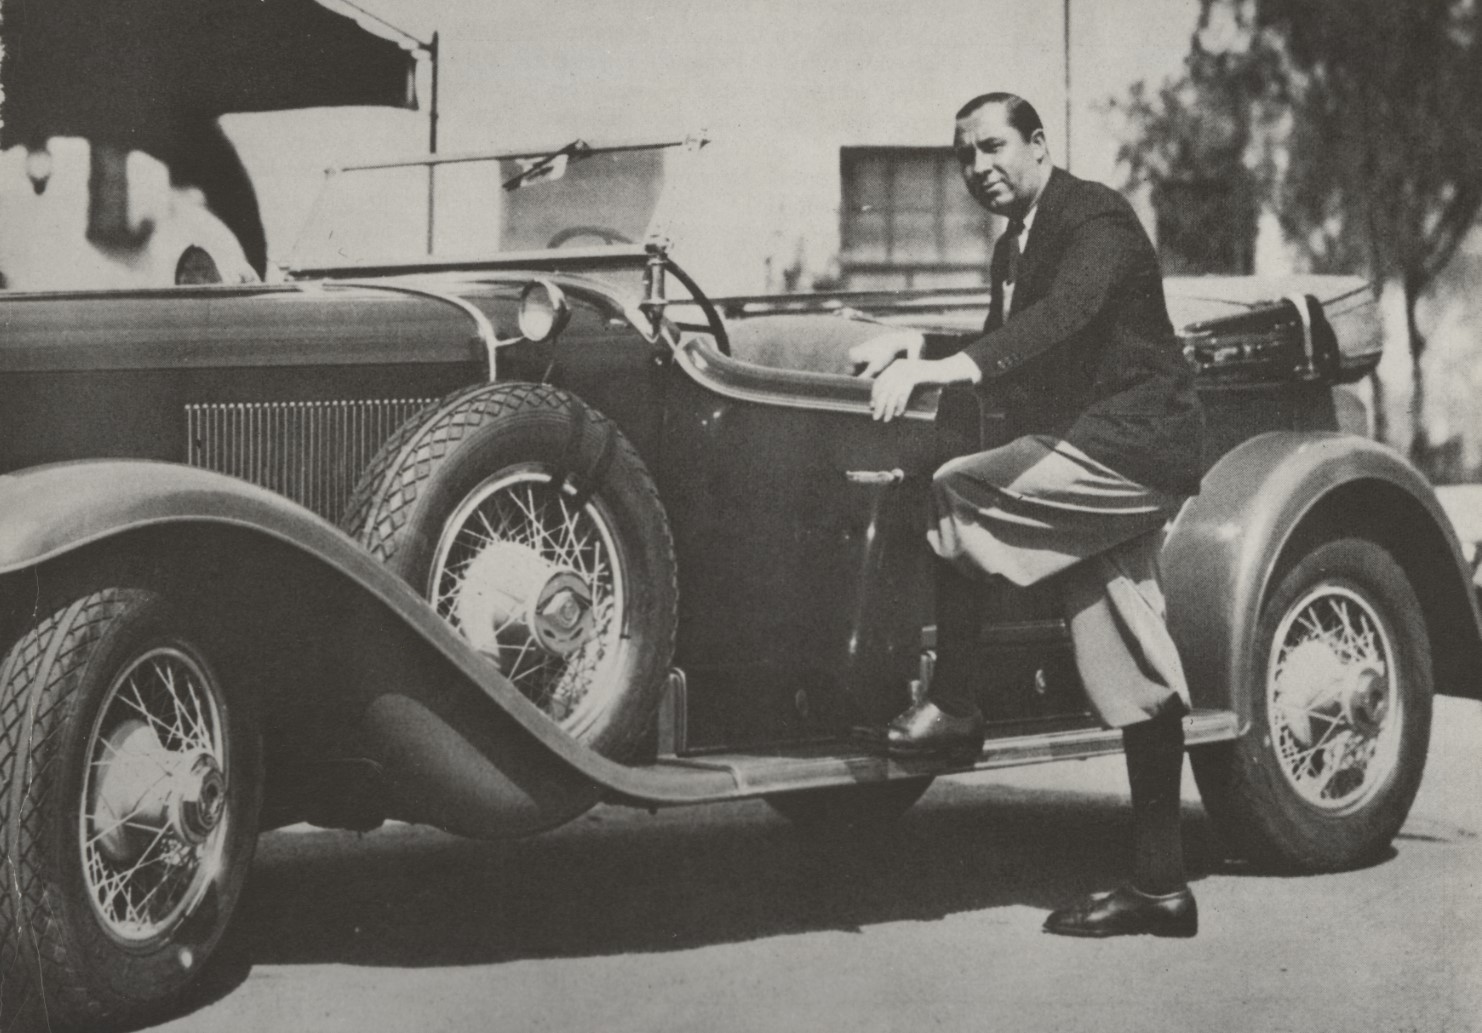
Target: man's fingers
[
  {"x": 880, "y": 400},
  {"x": 889, "y": 397}
]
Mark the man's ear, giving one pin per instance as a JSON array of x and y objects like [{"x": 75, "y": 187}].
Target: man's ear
[{"x": 1041, "y": 147}]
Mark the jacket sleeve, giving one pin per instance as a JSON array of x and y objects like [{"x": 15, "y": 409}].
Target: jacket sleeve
[{"x": 1096, "y": 261}]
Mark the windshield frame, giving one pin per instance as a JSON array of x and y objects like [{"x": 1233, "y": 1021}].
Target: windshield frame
[{"x": 542, "y": 158}]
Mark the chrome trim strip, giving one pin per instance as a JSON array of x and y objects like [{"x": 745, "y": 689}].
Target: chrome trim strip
[
  {"x": 875, "y": 477},
  {"x": 1052, "y": 629},
  {"x": 483, "y": 329},
  {"x": 723, "y": 375},
  {"x": 1304, "y": 313},
  {"x": 759, "y": 774},
  {"x": 617, "y": 254},
  {"x": 457, "y": 157},
  {"x": 572, "y": 283},
  {"x": 827, "y": 301},
  {"x": 674, "y": 714}
]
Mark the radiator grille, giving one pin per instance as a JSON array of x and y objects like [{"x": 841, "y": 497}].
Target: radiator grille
[{"x": 312, "y": 452}]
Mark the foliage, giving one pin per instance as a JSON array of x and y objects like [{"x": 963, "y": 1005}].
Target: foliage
[
  {"x": 1389, "y": 131},
  {"x": 1356, "y": 122}
]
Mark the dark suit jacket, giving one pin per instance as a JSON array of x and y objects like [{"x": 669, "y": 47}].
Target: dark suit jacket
[{"x": 1087, "y": 353}]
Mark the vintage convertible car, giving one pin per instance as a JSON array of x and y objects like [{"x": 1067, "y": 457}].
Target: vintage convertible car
[{"x": 481, "y": 541}]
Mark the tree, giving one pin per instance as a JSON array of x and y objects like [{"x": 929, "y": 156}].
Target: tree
[{"x": 1362, "y": 130}]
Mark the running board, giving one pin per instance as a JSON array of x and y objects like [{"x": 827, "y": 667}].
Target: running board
[{"x": 758, "y": 774}]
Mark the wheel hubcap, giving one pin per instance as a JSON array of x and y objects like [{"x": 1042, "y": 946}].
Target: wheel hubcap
[
  {"x": 513, "y": 596},
  {"x": 1333, "y": 698},
  {"x": 154, "y": 811},
  {"x": 533, "y": 578},
  {"x": 142, "y": 787}
]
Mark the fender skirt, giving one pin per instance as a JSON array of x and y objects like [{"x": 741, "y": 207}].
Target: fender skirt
[
  {"x": 1268, "y": 500},
  {"x": 454, "y": 736}
]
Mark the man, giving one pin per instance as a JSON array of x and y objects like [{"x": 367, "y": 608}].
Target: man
[{"x": 1094, "y": 380}]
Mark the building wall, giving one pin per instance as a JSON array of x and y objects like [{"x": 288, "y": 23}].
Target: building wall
[
  {"x": 43, "y": 235},
  {"x": 779, "y": 86}
]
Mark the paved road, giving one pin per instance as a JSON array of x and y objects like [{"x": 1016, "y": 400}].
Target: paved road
[{"x": 726, "y": 919}]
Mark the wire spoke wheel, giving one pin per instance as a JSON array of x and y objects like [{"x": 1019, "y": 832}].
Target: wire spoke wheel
[
  {"x": 153, "y": 815},
  {"x": 533, "y": 527},
  {"x": 533, "y": 578},
  {"x": 130, "y": 782},
  {"x": 1335, "y": 709}
]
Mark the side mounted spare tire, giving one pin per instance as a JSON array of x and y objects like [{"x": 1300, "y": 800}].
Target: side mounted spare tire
[
  {"x": 1336, "y": 717},
  {"x": 531, "y": 524}
]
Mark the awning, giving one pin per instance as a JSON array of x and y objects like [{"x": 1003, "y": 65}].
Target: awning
[{"x": 128, "y": 71}]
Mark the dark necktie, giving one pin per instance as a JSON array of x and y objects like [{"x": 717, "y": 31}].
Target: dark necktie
[{"x": 1011, "y": 267}]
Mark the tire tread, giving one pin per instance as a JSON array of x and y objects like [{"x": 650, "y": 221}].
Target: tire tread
[
  {"x": 36, "y": 686},
  {"x": 1248, "y": 812},
  {"x": 395, "y": 480}
]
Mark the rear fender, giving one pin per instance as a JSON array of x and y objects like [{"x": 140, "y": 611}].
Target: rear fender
[
  {"x": 1269, "y": 500},
  {"x": 342, "y": 654}
]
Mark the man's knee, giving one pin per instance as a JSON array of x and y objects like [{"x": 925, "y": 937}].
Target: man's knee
[{"x": 953, "y": 471}]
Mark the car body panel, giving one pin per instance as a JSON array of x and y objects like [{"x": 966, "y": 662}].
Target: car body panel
[
  {"x": 1226, "y": 548},
  {"x": 459, "y": 746},
  {"x": 805, "y": 581}
]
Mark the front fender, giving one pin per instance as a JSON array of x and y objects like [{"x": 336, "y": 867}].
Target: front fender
[
  {"x": 1268, "y": 499},
  {"x": 466, "y": 749}
]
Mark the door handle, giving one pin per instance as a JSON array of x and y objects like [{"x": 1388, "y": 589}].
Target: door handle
[{"x": 881, "y": 477}]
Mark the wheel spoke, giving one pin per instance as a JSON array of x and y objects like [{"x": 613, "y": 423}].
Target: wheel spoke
[
  {"x": 123, "y": 823},
  {"x": 137, "y": 704},
  {"x": 1330, "y": 649},
  {"x": 154, "y": 884},
  {"x": 528, "y": 509},
  {"x": 1316, "y": 715},
  {"x": 108, "y": 745}
]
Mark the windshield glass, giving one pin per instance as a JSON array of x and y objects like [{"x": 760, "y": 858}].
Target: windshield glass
[{"x": 574, "y": 195}]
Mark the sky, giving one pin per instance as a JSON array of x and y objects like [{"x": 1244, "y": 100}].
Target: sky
[{"x": 777, "y": 86}]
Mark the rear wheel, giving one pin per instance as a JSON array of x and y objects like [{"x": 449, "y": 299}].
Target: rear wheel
[
  {"x": 1337, "y": 720},
  {"x": 130, "y": 777},
  {"x": 865, "y": 806}
]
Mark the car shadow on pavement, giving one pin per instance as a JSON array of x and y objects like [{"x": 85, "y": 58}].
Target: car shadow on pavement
[{"x": 618, "y": 882}]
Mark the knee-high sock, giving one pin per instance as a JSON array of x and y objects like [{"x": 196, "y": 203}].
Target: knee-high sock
[
  {"x": 1155, "y": 758},
  {"x": 959, "y": 613}
]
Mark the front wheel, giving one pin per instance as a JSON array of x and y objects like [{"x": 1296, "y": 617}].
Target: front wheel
[
  {"x": 130, "y": 778},
  {"x": 1337, "y": 718}
]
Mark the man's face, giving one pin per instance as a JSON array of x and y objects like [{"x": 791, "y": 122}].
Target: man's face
[{"x": 1003, "y": 171}]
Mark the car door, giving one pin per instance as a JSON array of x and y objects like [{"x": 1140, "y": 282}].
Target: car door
[{"x": 799, "y": 523}]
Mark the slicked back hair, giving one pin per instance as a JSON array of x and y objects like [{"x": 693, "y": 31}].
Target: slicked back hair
[{"x": 1020, "y": 113}]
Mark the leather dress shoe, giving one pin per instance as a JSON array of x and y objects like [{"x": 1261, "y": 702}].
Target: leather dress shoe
[
  {"x": 926, "y": 730},
  {"x": 1128, "y": 911}
]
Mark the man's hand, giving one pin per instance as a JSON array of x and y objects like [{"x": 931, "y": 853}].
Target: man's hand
[
  {"x": 883, "y": 349},
  {"x": 893, "y": 388}
]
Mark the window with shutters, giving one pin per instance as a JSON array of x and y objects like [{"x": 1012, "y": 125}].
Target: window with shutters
[{"x": 907, "y": 222}]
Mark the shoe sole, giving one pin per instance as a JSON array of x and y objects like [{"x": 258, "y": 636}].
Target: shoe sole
[
  {"x": 1093, "y": 934},
  {"x": 965, "y": 754}
]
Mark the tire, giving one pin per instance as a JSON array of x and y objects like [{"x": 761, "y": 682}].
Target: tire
[
  {"x": 864, "y": 807},
  {"x": 110, "y": 710},
  {"x": 510, "y": 503},
  {"x": 1337, "y": 720}
]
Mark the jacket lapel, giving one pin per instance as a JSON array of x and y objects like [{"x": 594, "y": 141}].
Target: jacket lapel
[{"x": 1041, "y": 231}]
